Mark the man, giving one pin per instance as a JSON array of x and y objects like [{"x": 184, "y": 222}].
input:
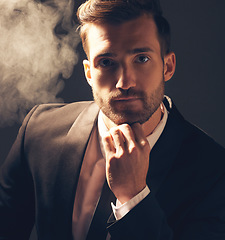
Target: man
[{"x": 70, "y": 161}]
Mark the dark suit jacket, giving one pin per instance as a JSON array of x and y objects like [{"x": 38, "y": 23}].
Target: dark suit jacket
[{"x": 39, "y": 178}]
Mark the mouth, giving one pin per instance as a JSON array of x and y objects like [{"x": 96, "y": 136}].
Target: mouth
[
  {"x": 132, "y": 103},
  {"x": 126, "y": 99}
]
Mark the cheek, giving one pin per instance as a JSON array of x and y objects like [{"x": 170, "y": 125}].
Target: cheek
[
  {"x": 103, "y": 79},
  {"x": 151, "y": 76}
]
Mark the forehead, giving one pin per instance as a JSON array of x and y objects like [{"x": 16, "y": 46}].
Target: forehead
[{"x": 137, "y": 33}]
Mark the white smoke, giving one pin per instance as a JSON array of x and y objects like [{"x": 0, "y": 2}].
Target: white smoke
[{"x": 33, "y": 58}]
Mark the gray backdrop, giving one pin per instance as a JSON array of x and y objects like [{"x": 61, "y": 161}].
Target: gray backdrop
[{"x": 197, "y": 88}]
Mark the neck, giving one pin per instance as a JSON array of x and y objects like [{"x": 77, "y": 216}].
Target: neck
[{"x": 149, "y": 126}]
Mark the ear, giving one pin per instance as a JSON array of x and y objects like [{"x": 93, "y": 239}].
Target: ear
[
  {"x": 87, "y": 71},
  {"x": 169, "y": 65}
]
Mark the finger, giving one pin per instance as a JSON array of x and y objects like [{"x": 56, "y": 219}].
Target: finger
[
  {"x": 128, "y": 135},
  {"x": 139, "y": 134},
  {"x": 118, "y": 138},
  {"x": 108, "y": 143}
]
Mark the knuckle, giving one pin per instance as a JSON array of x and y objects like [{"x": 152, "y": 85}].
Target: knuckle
[
  {"x": 120, "y": 153},
  {"x": 144, "y": 144},
  {"x": 133, "y": 149},
  {"x": 106, "y": 137},
  {"x": 125, "y": 127},
  {"x": 115, "y": 131}
]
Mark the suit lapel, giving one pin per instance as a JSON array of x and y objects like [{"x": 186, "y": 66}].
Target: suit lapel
[
  {"x": 70, "y": 164},
  {"x": 166, "y": 149}
]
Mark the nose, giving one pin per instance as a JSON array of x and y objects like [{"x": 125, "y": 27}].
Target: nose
[{"x": 126, "y": 78}]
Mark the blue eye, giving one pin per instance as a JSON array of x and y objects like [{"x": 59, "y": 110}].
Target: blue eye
[
  {"x": 105, "y": 62},
  {"x": 142, "y": 59}
]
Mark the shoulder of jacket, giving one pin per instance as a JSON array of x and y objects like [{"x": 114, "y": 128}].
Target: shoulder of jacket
[
  {"x": 53, "y": 117},
  {"x": 55, "y": 110}
]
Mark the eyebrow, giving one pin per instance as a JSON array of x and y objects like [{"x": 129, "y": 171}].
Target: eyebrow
[
  {"x": 130, "y": 52},
  {"x": 106, "y": 54},
  {"x": 140, "y": 50}
]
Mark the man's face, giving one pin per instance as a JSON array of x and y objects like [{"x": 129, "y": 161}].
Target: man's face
[{"x": 125, "y": 69}]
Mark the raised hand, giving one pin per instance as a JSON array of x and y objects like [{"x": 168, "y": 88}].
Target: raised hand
[{"x": 127, "y": 160}]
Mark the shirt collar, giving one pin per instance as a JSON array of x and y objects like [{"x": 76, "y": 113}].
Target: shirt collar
[{"x": 154, "y": 136}]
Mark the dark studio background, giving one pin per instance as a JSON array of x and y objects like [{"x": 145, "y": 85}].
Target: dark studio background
[{"x": 197, "y": 88}]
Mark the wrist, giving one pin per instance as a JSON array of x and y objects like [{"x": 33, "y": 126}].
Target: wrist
[
  {"x": 120, "y": 210},
  {"x": 126, "y": 196}
]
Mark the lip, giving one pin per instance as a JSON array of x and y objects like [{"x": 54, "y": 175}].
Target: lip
[{"x": 127, "y": 99}]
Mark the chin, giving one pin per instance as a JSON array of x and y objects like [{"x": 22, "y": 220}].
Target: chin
[{"x": 130, "y": 119}]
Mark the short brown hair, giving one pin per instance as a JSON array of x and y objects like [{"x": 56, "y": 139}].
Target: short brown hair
[{"x": 120, "y": 11}]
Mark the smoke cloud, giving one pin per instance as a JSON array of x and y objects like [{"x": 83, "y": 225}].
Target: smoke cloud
[{"x": 37, "y": 51}]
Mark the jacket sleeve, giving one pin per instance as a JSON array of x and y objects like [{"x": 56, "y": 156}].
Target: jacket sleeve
[
  {"x": 147, "y": 220},
  {"x": 16, "y": 191}
]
